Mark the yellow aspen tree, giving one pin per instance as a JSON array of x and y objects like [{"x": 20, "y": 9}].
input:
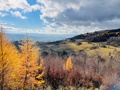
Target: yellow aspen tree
[
  {"x": 30, "y": 67},
  {"x": 8, "y": 63},
  {"x": 69, "y": 64}
]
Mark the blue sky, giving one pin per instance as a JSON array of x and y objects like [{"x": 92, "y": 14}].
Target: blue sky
[{"x": 59, "y": 16}]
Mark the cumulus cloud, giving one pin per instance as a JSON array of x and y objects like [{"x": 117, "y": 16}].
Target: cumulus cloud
[
  {"x": 70, "y": 16},
  {"x": 18, "y": 14},
  {"x": 93, "y": 14},
  {"x": 35, "y": 7},
  {"x": 14, "y": 5},
  {"x": 6, "y": 5}
]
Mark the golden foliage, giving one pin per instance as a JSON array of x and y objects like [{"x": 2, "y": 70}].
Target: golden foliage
[
  {"x": 30, "y": 66},
  {"x": 69, "y": 64},
  {"x": 9, "y": 63},
  {"x": 40, "y": 75}
]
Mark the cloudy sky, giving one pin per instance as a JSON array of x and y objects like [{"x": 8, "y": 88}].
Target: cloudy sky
[{"x": 59, "y": 16}]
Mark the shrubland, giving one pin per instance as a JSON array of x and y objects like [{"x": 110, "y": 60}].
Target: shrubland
[{"x": 25, "y": 68}]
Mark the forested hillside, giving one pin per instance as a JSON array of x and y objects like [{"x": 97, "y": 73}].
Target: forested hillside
[
  {"x": 24, "y": 66},
  {"x": 98, "y": 36}
]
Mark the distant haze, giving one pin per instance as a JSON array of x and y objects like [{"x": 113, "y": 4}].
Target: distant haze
[{"x": 38, "y": 37}]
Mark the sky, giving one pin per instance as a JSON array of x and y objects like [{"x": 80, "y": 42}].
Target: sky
[{"x": 59, "y": 16}]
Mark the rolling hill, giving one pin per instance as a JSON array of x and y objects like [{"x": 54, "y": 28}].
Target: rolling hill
[{"x": 103, "y": 42}]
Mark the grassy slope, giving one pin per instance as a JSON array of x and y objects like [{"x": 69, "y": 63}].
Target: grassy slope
[
  {"x": 100, "y": 37},
  {"x": 103, "y": 52}
]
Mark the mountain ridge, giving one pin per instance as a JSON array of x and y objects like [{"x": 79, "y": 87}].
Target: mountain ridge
[{"x": 98, "y": 36}]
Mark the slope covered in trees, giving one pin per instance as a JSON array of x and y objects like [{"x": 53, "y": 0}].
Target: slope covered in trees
[
  {"x": 25, "y": 68},
  {"x": 19, "y": 70},
  {"x": 97, "y": 36}
]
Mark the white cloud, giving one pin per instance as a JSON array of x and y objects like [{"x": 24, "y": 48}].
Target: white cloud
[
  {"x": 36, "y": 7},
  {"x": 52, "y": 8},
  {"x": 15, "y": 5},
  {"x": 81, "y": 15},
  {"x": 18, "y": 14},
  {"x": 12, "y": 6},
  {"x": 70, "y": 16},
  {"x": 7, "y": 5}
]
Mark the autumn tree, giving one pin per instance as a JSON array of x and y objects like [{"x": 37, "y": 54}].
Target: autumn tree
[
  {"x": 69, "y": 64},
  {"x": 9, "y": 62},
  {"x": 54, "y": 71},
  {"x": 31, "y": 74}
]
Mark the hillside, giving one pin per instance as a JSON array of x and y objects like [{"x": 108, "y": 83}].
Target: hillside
[
  {"x": 103, "y": 42},
  {"x": 98, "y": 36},
  {"x": 93, "y": 64}
]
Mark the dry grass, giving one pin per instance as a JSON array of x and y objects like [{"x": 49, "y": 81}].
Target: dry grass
[{"x": 103, "y": 52}]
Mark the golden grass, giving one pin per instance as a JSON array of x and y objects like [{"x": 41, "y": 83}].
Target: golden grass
[
  {"x": 103, "y": 52},
  {"x": 77, "y": 48}
]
